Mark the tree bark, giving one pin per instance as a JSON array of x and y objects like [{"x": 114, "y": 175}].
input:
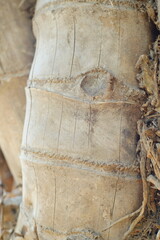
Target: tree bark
[
  {"x": 79, "y": 141},
  {"x": 16, "y": 42}
]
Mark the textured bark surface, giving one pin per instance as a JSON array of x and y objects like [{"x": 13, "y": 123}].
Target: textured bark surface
[
  {"x": 16, "y": 53},
  {"x": 146, "y": 225},
  {"x": 83, "y": 102}
]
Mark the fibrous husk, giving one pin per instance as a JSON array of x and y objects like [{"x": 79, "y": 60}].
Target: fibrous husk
[
  {"x": 152, "y": 10},
  {"x": 148, "y": 150}
]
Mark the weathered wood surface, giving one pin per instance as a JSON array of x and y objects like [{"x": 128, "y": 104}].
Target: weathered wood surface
[
  {"x": 83, "y": 102},
  {"x": 16, "y": 53}
]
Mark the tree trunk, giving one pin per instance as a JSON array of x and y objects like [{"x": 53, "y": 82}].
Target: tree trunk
[
  {"x": 79, "y": 141},
  {"x": 16, "y": 43}
]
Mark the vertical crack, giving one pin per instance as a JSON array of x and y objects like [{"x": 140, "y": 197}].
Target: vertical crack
[
  {"x": 29, "y": 118},
  {"x": 46, "y": 121},
  {"x": 118, "y": 64},
  {"x": 37, "y": 194},
  {"x": 74, "y": 45},
  {"x": 55, "y": 52},
  {"x": 55, "y": 193},
  {"x": 60, "y": 127}
]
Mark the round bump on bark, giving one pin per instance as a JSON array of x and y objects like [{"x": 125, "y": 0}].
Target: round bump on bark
[{"x": 97, "y": 83}]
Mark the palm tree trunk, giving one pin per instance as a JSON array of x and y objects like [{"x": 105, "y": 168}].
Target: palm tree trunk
[
  {"x": 79, "y": 142},
  {"x": 16, "y": 53}
]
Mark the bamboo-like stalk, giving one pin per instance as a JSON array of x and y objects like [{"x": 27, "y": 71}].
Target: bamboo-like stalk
[{"x": 79, "y": 141}]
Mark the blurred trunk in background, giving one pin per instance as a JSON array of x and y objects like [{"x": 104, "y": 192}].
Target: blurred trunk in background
[{"x": 16, "y": 53}]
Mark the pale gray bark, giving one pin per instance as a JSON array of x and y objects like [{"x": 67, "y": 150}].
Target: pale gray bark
[{"x": 83, "y": 102}]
